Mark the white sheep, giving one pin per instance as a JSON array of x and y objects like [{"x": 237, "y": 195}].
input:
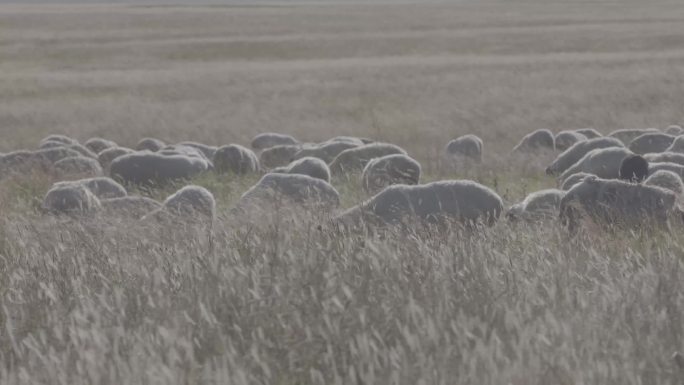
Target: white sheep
[
  {"x": 465, "y": 147},
  {"x": 70, "y": 199},
  {"x": 390, "y": 170},
  {"x": 78, "y": 165},
  {"x": 674, "y": 130},
  {"x": 355, "y": 159},
  {"x": 677, "y": 145},
  {"x": 106, "y": 157},
  {"x": 565, "y": 139},
  {"x": 667, "y": 180},
  {"x": 150, "y": 144},
  {"x": 327, "y": 151},
  {"x": 541, "y": 139},
  {"x": 464, "y": 201},
  {"x": 191, "y": 200},
  {"x": 147, "y": 168},
  {"x": 235, "y": 159},
  {"x": 650, "y": 143},
  {"x": 567, "y": 183},
  {"x": 616, "y": 203},
  {"x": 271, "y": 139},
  {"x": 275, "y": 189},
  {"x": 131, "y": 206},
  {"x": 577, "y": 151},
  {"x": 313, "y": 167},
  {"x": 278, "y": 156},
  {"x": 590, "y": 133},
  {"x": 602, "y": 162},
  {"x": 97, "y": 145},
  {"x": 661, "y": 157},
  {"x": 629, "y": 134},
  {"x": 539, "y": 205}
]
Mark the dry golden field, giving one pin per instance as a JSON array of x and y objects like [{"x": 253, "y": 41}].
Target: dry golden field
[{"x": 96, "y": 302}]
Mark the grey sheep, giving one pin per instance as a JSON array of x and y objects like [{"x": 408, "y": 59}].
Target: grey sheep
[
  {"x": 534, "y": 141},
  {"x": 349, "y": 139},
  {"x": 70, "y": 199},
  {"x": 313, "y": 167},
  {"x": 629, "y": 134},
  {"x": 73, "y": 146},
  {"x": 602, "y": 162},
  {"x": 390, "y": 170},
  {"x": 616, "y": 203},
  {"x": 355, "y": 159},
  {"x": 278, "y": 156},
  {"x": 674, "y": 130},
  {"x": 235, "y": 159},
  {"x": 101, "y": 187},
  {"x": 327, "y": 151},
  {"x": 78, "y": 165},
  {"x": 464, "y": 201},
  {"x": 674, "y": 167},
  {"x": 565, "y": 139},
  {"x": 191, "y": 200},
  {"x": 465, "y": 147},
  {"x": 577, "y": 151},
  {"x": 97, "y": 145},
  {"x": 131, "y": 206},
  {"x": 667, "y": 180},
  {"x": 677, "y": 145},
  {"x": 106, "y": 157},
  {"x": 207, "y": 150},
  {"x": 539, "y": 205},
  {"x": 293, "y": 188},
  {"x": 150, "y": 144},
  {"x": 661, "y": 157},
  {"x": 271, "y": 139},
  {"x": 651, "y": 142},
  {"x": 590, "y": 133},
  {"x": 57, "y": 138},
  {"x": 573, "y": 179},
  {"x": 149, "y": 168}
]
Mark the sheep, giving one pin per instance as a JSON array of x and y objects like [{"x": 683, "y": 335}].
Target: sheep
[
  {"x": 149, "y": 168},
  {"x": 191, "y": 200},
  {"x": 278, "y": 156},
  {"x": 14, "y": 162},
  {"x": 302, "y": 190},
  {"x": 616, "y": 203},
  {"x": 565, "y": 139},
  {"x": 674, "y": 130},
  {"x": 651, "y": 142},
  {"x": 465, "y": 147},
  {"x": 106, "y": 157},
  {"x": 677, "y": 145},
  {"x": 602, "y": 162},
  {"x": 390, "y": 170},
  {"x": 537, "y": 140},
  {"x": 667, "y": 180},
  {"x": 633, "y": 168},
  {"x": 573, "y": 179},
  {"x": 674, "y": 167},
  {"x": 70, "y": 199},
  {"x": 78, "y": 165},
  {"x": 271, "y": 139},
  {"x": 132, "y": 206},
  {"x": 150, "y": 144},
  {"x": 313, "y": 167},
  {"x": 235, "y": 159},
  {"x": 185, "y": 150},
  {"x": 348, "y": 139},
  {"x": 577, "y": 151},
  {"x": 327, "y": 151},
  {"x": 539, "y": 205},
  {"x": 672, "y": 157},
  {"x": 73, "y": 146},
  {"x": 101, "y": 187},
  {"x": 629, "y": 134},
  {"x": 57, "y": 138},
  {"x": 97, "y": 145},
  {"x": 207, "y": 150},
  {"x": 355, "y": 159},
  {"x": 465, "y": 201},
  {"x": 590, "y": 133}
]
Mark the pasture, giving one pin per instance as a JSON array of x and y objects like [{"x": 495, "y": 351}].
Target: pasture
[{"x": 281, "y": 300}]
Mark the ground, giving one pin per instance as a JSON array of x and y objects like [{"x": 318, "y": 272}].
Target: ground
[{"x": 96, "y": 303}]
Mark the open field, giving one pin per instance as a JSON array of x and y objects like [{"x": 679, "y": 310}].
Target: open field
[{"x": 291, "y": 303}]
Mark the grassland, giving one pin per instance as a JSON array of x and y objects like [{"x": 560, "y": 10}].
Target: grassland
[{"x": 276, "y": 302}]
